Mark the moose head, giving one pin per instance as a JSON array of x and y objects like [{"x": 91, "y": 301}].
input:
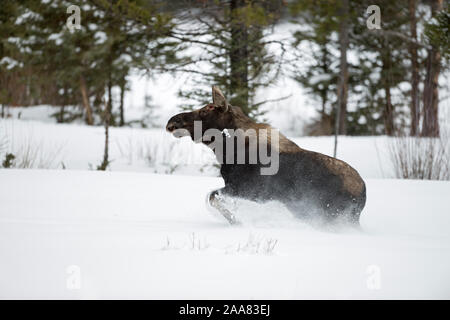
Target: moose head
[{"x": 216, "y": 115}]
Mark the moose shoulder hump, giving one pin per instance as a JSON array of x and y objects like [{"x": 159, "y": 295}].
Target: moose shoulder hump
[{"x": 241, "y": 121}]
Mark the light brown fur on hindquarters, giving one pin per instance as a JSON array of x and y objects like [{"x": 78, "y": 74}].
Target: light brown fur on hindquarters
[{"x": 351, "y": 179}]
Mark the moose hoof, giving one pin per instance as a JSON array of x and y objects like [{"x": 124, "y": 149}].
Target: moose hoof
[
  {"x": 217, "y": 206},
  {"x": 230, "y": 217}
]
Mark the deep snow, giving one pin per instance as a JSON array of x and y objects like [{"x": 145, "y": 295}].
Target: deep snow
[
  {"x": 122, "y": 234},
  {"x": 141, "y": 235}
]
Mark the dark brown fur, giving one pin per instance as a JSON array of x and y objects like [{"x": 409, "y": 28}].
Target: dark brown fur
[{"x": 310, "y": 184}]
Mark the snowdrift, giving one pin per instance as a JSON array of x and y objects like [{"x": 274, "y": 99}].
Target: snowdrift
[{"x": 87, "y": 234}]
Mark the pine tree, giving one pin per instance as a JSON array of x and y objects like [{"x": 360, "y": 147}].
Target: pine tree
[
  {"x": 11, "y": 68},
  {"x": 233, "y": 37},
  {"x": 385, "y": 55},
  {"x": 326, "y": 20},
  {"x": 315, "y": 67},
  {"x": 430, "y": 127},
  {"x": 415, "y": 77}
]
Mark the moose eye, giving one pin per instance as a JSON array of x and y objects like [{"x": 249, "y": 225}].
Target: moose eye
[{"x": 206, "y": 110}]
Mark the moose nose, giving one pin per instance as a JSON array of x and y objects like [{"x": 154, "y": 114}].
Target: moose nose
[{"x": 171, "y": 127}]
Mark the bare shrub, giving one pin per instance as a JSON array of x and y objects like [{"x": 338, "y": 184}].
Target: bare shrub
[
  {"x": 3, "y": 143},
  {"x": 420, "y": 157},
  {"x": 166, "y": 155},
  {"x": 195, "y": 243},
  {"x": 26, "y": 150},
  {"x": 36, "y": 154},
  {"x": 155, "y": 152},
  {"x": 6, "y": 158},
  {"x": 126, "y": 149},
  {"x": 158, "y": 154},
  {"x": 258, "y": 245}
]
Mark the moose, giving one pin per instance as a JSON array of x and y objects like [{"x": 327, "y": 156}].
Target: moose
[{"x": 313, "y": 186}]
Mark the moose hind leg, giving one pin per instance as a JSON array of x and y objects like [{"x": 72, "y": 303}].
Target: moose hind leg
[{"x": 216, "y": 201}]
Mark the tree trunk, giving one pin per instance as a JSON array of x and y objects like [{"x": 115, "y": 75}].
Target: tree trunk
[
  {"x": 61, "y": 115},
  {"x": 122, "y": 96},
  {"x": 324, "y": 92},
  {"x": 107, "y": 119},
  {"x": 3, "y": 110},
  {"x": 415, "y": 106},
  {"x": 388, "y": 113},
  {"x": 239, "y": 57},
  {"x": 324, "y": 104},
  {"x": 86, "y": 104},
  {"x": 342, "y": 88},
  {"x": 430, "y": 126},
  {"x": 343, "y": 66},
  {"x": 64, "y": 103}
]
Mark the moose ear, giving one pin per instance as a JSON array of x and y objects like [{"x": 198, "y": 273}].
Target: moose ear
[{"x": 219, "y": 99}]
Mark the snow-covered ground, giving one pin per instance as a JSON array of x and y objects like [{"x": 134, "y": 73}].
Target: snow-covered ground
[
  {"x": 87, "y": 234},
  {"x": 142, "y": 230},
  {"x": 132, "y": 233}
]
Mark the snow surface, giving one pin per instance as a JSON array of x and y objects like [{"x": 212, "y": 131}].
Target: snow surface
[
  {"x": 141, "y": 235},
  {"x": 131, "y": 233}
]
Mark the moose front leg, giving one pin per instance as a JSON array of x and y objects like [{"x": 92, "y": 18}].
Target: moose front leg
[{"x": 217, "y": 202}]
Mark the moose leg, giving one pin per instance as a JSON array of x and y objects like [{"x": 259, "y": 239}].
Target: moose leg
[{"x": 217, "y": 202}]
